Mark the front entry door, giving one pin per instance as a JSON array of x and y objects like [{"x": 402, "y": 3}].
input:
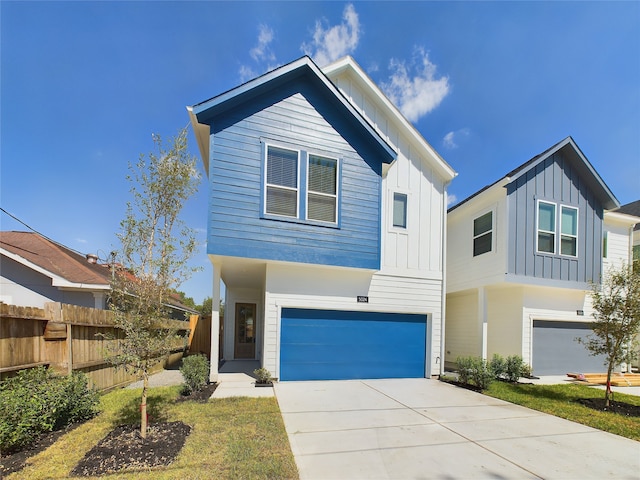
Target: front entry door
[{"x": 245, "y": 344}]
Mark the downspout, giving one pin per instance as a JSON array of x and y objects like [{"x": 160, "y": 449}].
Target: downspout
[{"x": 443, "y": 267}]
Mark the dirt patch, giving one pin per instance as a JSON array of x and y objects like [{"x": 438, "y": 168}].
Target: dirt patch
[{"x": 620, "y": 408}]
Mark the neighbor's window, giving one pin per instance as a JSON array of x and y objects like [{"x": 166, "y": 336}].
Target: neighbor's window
[
  {"x": 569, "y": 231},
  {"x": 282, "y": 182},
  {"x": 322, "y": 193},
  {"x": 546, "y": 227},
  {"x": 605, "y": 244},
  {"x": 482, "y": 234},
  {"x": 399, "y": 210}
]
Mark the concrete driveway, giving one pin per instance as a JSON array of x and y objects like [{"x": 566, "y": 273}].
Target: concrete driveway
[{"x": 419, "y": 428}]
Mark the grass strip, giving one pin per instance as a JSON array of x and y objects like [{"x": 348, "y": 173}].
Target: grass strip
[
  {"x": 562, "y": 401},
  {"x": 231, "y": 439}
]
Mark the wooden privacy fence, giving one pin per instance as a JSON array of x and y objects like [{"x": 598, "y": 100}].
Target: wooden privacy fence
[
  {"x": 200, "y": 335},
  {"x": 66, "y": 338}
]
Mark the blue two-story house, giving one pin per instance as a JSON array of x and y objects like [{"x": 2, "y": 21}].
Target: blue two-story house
[
  {"x": 522, "y": 256},
  {"x": 326, "y": 225}
]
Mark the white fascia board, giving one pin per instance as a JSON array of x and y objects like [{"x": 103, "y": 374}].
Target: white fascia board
[
  {"x": 497, "y": 191},
  {"x": 621, "y": 218},
  {"x": 201, "y": 132},
  {"x": 56, "y": 280},
  {"x": 349, "y": 64}
]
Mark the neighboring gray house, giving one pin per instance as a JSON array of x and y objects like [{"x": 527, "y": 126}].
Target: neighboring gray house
[
  {"x": 35, "y": 270},
  {"x": 522, "y": 255}
]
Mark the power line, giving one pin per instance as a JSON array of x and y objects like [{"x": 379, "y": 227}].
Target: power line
[{"x": 39, "y": 233}]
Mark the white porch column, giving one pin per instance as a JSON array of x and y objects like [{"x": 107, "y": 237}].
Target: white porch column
[
  {"x": 482, "y": 317},
  {"x": 215, "y": 325}
]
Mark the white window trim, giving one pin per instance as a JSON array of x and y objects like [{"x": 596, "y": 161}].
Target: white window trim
[
  {"x": 492, "y": 231},
  {"x": 605, "y": 244},
  {"x": 538, "y": 230},
  {"x": 566, "y": 234},
  {"x": 308, "y": 190},
  {"x": 393, "y": 227},
  {"x": 267, "y": 184}
]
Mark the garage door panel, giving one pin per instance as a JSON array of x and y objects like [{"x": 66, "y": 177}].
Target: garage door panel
[
  {"x": 329, "y": 344},
  {"x": 556, "y": 352}
]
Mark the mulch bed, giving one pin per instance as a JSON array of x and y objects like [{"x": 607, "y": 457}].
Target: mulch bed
[
  {"x": 16, "y": 461},
  {"x": 122, "y": 448},
  {"x": 125, "y": 448},
  {"x": 619, "y": 408}
]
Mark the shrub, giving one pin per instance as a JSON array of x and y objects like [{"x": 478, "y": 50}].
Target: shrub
[
  {"x": 498, "y": 366},
  {"x": 262, "y": 375},
  {"x": 516, "y": 368},
  {"x": 37, "y": 401},
  {"x": 195, "y": 371},
  {"x": 474, "y": 371}
]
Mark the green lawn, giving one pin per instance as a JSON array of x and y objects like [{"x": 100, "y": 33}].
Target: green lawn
[
  {"x": 561, "y": 401},
  {"x": 230, "y": 438}
]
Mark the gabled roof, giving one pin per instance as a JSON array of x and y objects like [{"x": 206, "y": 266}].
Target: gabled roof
[
  {"x": 202, "y": 112},
  {"x": 578, "y": 161},
  {"x": 632, "y": 208},
  {"x": 348, "y": 64},
  {"x": 64, "y": 266}
]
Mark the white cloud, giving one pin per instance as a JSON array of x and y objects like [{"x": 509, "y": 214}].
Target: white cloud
[
  {"x": 451, "y": 139},
  {"x": 332, "y": 43},
  {"x": 246, "y": 73},
  {"x": 414, "y": 88},
  {"x": 262, "y": 52},
  {"x": 451, "y": 199}
]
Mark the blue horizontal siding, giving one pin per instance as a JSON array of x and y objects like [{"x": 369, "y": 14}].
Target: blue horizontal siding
[
  {"x": 340, "y": 345},
  {"x": 294, "y": 117}
]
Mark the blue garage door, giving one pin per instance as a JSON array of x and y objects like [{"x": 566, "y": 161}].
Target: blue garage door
[{"x": 340, "y": 345}]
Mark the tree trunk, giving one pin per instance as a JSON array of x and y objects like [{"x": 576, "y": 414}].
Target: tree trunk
[
  {"x": 607, "y": 392},
  {"x": 143, "y": 405}
]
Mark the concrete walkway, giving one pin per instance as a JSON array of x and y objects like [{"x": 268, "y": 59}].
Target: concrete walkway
[
  {"x": 420, "y": 428},
  {"x": 236, "y": 379}
]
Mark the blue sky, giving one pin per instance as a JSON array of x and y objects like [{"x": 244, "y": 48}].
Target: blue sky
[{"x": 84, "y": 85}]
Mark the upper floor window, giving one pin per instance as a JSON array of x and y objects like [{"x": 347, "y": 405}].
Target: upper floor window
[
  {"x": 482, "y": 234},
  {"x": 300, "y": 186},
  {"x": 605, "y": 244},
  {"x": 569, "y": 231},
  {"x": 546, "y": 227},
  {"x": 282, "y": 182},
  {"x": 549, "y": 224},
  {"x": 399, "y": 210},
  {"x": 322, "y": 192}
]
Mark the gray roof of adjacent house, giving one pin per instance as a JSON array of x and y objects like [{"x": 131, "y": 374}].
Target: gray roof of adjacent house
[
  {"x": 578, "y": 160},
  {"x": 632, "y": 208}
]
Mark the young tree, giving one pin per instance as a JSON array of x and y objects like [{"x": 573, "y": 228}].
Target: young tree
[
  {"x": 616, "y": 305},
  {"x": 153, "y": 259}
]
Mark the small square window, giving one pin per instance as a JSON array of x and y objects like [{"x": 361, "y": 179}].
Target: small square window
[{"x": 399, "y": 210}]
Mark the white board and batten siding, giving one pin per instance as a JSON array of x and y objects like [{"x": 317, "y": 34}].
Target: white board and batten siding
[{"x": 417, "y": 250}]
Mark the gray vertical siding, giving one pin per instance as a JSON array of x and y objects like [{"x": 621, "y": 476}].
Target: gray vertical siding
[{"x": 553, "y": 180}]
